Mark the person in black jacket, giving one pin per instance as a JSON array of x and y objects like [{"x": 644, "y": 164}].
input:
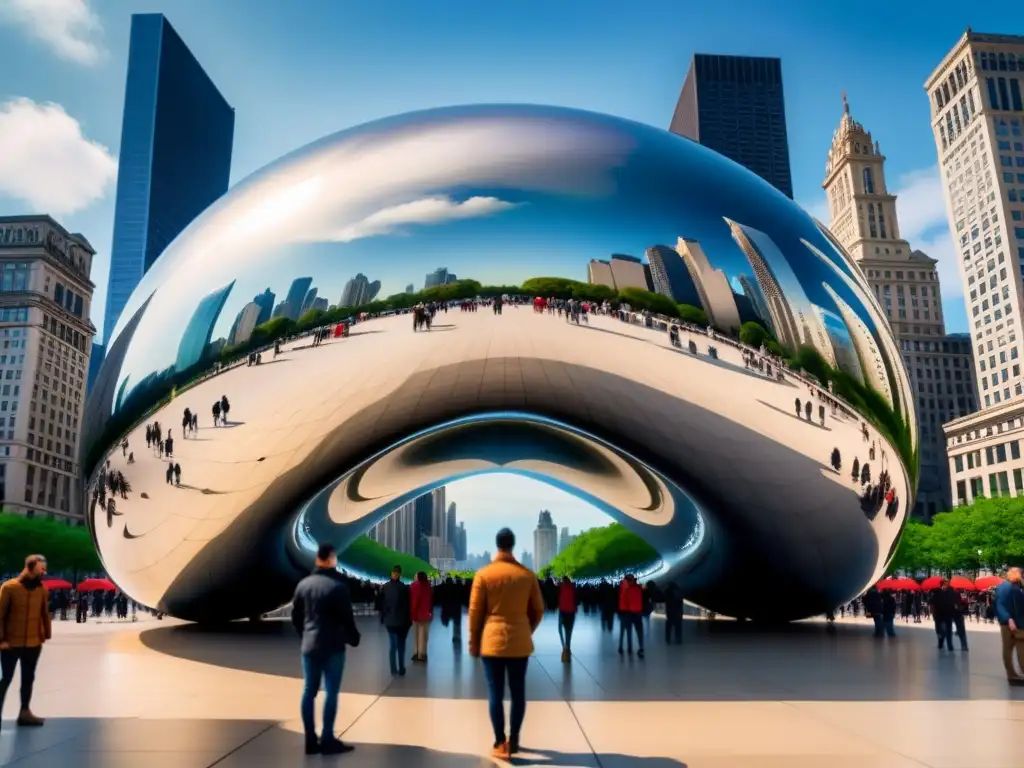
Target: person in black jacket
[
  {"x": 396, "y": 617},
  {"x": 322, "y": 615},
  {"x": 944, "y": 605}
]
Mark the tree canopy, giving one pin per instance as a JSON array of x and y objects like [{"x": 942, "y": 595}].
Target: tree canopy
[
  {"x": 601, "y": 552},
  {"x": 68, "y": 550},
  {"x": 373, "y": 559},
  {"x": 993, "y": 527}
]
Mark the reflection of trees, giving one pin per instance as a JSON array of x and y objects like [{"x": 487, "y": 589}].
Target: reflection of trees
[
  {"x": 367, "y": 556},
  {"x": 951, "y": 543},
  {"x": 601, "y": 552}
]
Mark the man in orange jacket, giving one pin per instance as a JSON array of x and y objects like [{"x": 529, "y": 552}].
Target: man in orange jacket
[
  {"x": 631, "y": 612},
  {"x": 24, "y": 627}
]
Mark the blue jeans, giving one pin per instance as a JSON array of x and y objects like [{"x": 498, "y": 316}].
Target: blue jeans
[
  {"x": 944, "y": 629},
  {"x": 495, "y": 669},
  {"x": 627, "y": 623},
  {"x": 883, "y": 625},
  {"x": 396, "y": 649},
  {"x": 314, "y": 668}
]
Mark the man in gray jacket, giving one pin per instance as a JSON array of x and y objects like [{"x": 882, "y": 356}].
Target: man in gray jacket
[{"x": 395, "y": 615}]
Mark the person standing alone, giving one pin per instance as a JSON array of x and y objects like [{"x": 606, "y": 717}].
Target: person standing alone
[
  {"x": 395, "y": 613},
  {"x": 24, "y": 627},
  {"x": 1009, "y": 605},
  {"x": 322, "y": 615},
  {"x": 631, "y": 612},
  {"x": 421, "y": 611},
  {"x": 505, "y": 608},
  {"x": 566, "y": 616}
]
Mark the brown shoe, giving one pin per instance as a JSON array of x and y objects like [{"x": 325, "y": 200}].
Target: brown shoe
[
  {"x": 501, "y": 751},
  {"x": 565, "y": 655},
  {"x": 26, "y": 718}
]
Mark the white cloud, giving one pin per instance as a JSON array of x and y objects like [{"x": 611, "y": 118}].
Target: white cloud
[
  {"x": 427, "y": 210},
  {"x": 47, "y": 162},
  {"x": 68, "y": 27}
]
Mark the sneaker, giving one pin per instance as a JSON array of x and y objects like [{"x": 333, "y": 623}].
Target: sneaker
[
  {"x": 565, "y": 655},
  {"x": 401, "y": 672},
  {"x": 312, "y": 748},
  {"x": 335, "y": 747}
]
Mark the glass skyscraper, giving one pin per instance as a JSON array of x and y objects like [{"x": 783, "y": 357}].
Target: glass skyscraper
[
  {"x": 175, "y": 160},
  {"x": 199, "y": 330},
  {"x": 735, "y": 106}
]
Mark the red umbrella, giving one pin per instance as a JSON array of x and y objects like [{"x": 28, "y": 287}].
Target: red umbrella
[
  {"x": 96, "y": 585},
  {"x": 962, "y": 583},
  {"x": 52, "y": 582},
  {"x": 907, "y": 584},
  {"x": 885, "y": 584},
  {"x": 932, "y": 582},
  {"x": 988, "y": 582}
]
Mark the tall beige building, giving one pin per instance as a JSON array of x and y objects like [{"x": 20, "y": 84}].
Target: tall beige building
[
  {"x": 45, "y": 296},
  {"x": 863, "y": 219},
  {"x": 977, "y": 107}
]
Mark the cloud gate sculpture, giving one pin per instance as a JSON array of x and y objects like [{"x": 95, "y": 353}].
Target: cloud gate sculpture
[{"x": 770, "y": 454}]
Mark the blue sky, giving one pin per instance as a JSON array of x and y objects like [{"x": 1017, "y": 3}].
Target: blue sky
[
  {"x": 297, "y": 71},
  {"x": 294, "y": 76}
]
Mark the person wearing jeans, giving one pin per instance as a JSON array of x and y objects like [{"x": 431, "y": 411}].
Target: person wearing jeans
[
  {"x": 505, "y": 608},
  {"x": 944, "y": 605},
  {"x": 24, "y": 627},
  {"x": 421, "y": 611},
  {"x": 566, "y": 616},
  {"x": 395, "y": 613},
  {"x": 631, "y": 611},
  {"x": 322, "y": 615},
  {"x": 1009, "y": 606}
]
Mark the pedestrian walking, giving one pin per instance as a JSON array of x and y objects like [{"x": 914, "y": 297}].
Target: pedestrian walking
[
  {"x": 24, "y": 627},
  {"x": 395, "y": 614},
  {"x": 505, "y": 608},
  {"x": 421, "y": 612},
  {"x": 322, "y": 615}
]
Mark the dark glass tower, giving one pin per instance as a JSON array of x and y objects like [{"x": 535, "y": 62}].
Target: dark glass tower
[
  {"x": 734, "y": 105},
  {"x": 175, "y": 160}
]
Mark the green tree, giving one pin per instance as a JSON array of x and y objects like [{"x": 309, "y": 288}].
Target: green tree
[
  {"x": 691, "y": 314},
  {"x": 810, "y": 360},
  {"x": 69, "y": 550},
  {"x": 601, "y": 551},
  {"x": 373, "y": 559},
  {"x": 640, "y": 299},
  {"x": 754, "y": 334}
]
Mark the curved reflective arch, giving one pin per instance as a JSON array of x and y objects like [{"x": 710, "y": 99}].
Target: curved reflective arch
[{"x": 482, "y": 202}]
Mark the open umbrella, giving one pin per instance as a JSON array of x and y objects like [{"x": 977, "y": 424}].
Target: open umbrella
[
  {"x": 52, "y": 582},
  {"x": 932, "y": 582},
  {"x": 907, "y": 583},
  {"x": 96, "y": 585},
  {"x": 886, "y": 584},
  {"x": 988, "y": 582},
  {"x": 962, "y": 583}
]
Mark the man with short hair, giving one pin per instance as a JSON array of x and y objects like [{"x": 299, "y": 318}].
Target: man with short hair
[
  {"x": 1009, "y": 605},
  {"x": 395, "y": 614},
  {"x": 505, "y": 608},
  {"x": 24, "y": 627},
  {"x": 322, "y": 615}
]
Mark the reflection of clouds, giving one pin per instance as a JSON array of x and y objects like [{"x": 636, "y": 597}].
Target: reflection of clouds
[{"x": 427, "y": 210}]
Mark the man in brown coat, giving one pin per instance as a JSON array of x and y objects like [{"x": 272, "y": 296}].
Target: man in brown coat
[
  {"x": 505, "y": 607},
  {"x": 24, "y": 627}
]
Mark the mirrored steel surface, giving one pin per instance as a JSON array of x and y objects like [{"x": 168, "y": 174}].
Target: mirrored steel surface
[{"x": 700, "y": 450}]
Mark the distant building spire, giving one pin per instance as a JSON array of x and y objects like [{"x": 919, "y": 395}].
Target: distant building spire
[{"x": 846, "y": 104}]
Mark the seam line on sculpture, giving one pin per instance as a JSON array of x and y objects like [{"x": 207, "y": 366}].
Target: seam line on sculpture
[
  {"x": 253, "y": 738},
  {"x": 575, "y": 717}
]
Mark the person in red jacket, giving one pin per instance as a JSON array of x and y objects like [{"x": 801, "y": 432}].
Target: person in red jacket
[
  {"x": 631, "y": 611},
  {"x": 421, "y": 610},
  {"x": 566, "y": 616}
]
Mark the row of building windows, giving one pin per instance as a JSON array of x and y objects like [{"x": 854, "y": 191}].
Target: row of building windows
[
  {"x": 1004, "y": 94},
  {"x": 1002, "y": 62}
]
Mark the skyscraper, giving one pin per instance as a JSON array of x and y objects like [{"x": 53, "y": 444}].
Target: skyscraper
[
  {"x": 245, "y": 323},
  {"x": 440, "y": 276},
  {"x": 453, "y": 529},
  {"x": 977, "y": 111},
  {"x": 439, "y": 515},
  {"x": 864, "y": 220},
  {"x": 358, "y": 291},
  {"x": 292, "y": 304},
  {"x": 199, "y": 330},
  {"x": 545, "y": 541},
  {"x": 712, "y": 286},
  {"x": 670, "y": 277},
  {"x": 175, "y": 158},
  {"x": 564, "y": 540},
  {"x": 265, "y": 301},
  {"x": 423, "y": 514},
  {"x": 621, "y": 271},
  {"x": 735, "y": 106}
]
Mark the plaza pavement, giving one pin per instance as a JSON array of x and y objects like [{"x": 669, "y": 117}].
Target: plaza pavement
[
  {"x": 171, "y": 695},
  {"x": 734, "y": 430}
]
